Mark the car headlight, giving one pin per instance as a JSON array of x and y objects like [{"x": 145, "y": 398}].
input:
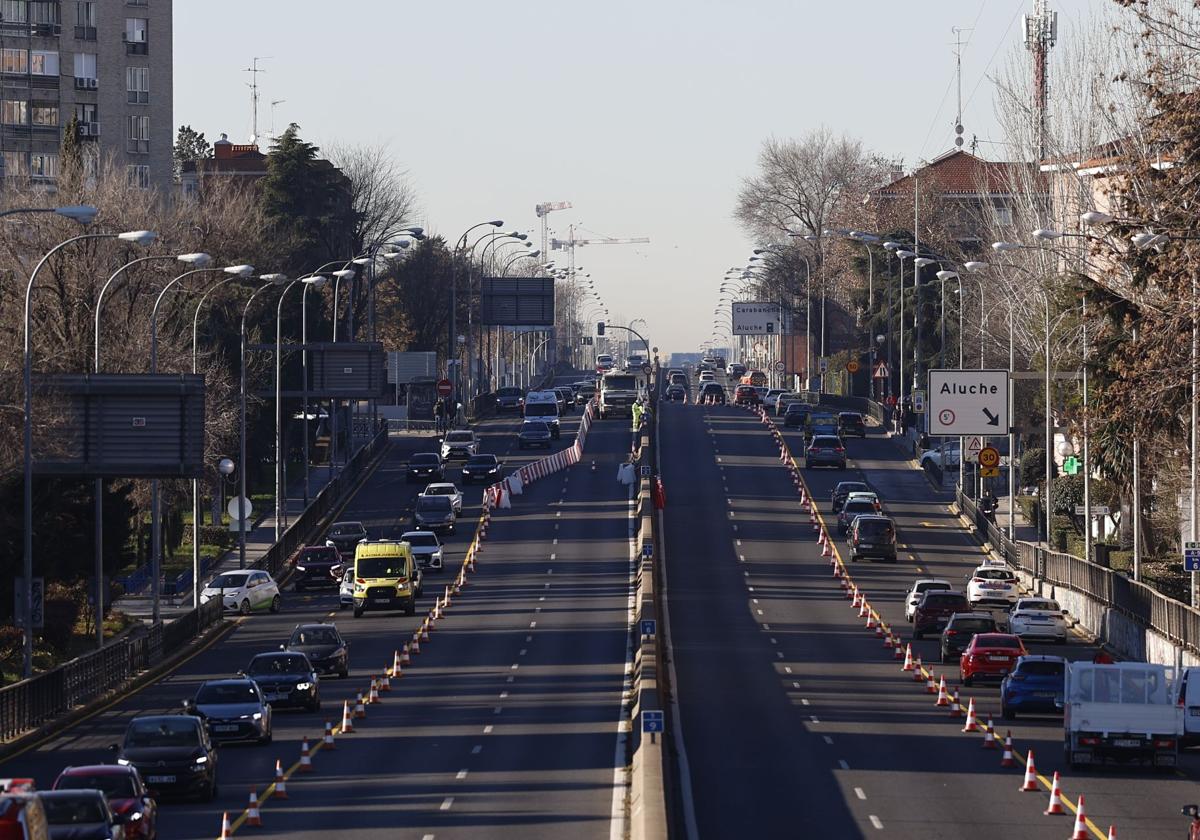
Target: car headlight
[
  {"x": 301, "y": 569},
  {"x": 124, "y": 762},
  {"x": 135, "y": 816},
  {"x": 256, "y": 716},
  {"x": 304, "y": 686},
  {"x": 200, "y": 762}
]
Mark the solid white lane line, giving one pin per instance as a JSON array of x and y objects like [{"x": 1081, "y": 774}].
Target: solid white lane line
[
  {"x": 462, "y": 774},
  {"x": 446, "y": 803},
  {"x": 859, "y": 793},
  {"x": 875, "y": 821}
]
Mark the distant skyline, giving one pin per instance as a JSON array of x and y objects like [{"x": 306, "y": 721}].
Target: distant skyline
[{"x": 644, "y": 115}]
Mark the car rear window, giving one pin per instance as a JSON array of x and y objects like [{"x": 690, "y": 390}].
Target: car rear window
[
  {"x": 994, "y": 640},
  {"x": 874, "y": 528},
  {"x": 927, "y": 585},
  {"x": 994, "y": 574},
  {"x": 859, "y": 507},
  {"x": 939, "y": 600},
  {"x": 1038, "y": 605},
  {"x": 1041, "y": 668},
  {"x": 974, "y": 625},
  {"x": 828, "y": 441},
  {"x": 847, "y": 487},
  {"x": 850, "y": 418}
]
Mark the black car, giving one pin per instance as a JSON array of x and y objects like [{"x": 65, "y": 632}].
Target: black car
[
  {"x": 851, "y": 423},
  {"x": 233, "y": 709},
  {"x": 80, "y": 815},
  {"x": 345, "y": 536},
  {"x": 318, "y": 565},
  {"x": 796, "y": 414},
  {"x": 585, "y": 392},
  {"x": 173, "y": 753},
  {"x": 676, "y": 393},
  {"x": 324, "y": 646},
  {"x": 425, "y": 466},
  {"x": 844, "y": 489},
  {"x": 533, "y": 433},
  {"x": 509, "y": 399},
  {"x": 959, "y": 630},
  {"x": 434, "y": 513},
  {"x": 481, "y": 468},
  {"x": 712, "y": 392},
  {"x": 286, "y": 679},
  {"x": 566, "y": 399}
]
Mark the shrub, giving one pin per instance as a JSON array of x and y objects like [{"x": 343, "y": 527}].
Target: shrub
[{"x": 63, "y": 605}]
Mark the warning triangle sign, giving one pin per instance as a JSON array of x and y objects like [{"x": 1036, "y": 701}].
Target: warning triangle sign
[{"x": 881, "y": 371}]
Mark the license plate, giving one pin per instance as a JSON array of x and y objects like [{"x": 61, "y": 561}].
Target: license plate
[
  {"x": 225, "y": 727},
  {"x": 272, "y": 698},
  {"x": 1194, "y": 711},
  {"x": 381, "y": 600},
  {"x": 160, "y": 780},
  {"x": 1045, "y": 694},
  {"x": 866, "y": 545},
  {"x": 1126, "y": 742},
  {"x": 998, "y": 659}
]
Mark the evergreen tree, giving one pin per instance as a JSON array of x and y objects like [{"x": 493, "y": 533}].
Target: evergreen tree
[{"x": 189, "y": 145}]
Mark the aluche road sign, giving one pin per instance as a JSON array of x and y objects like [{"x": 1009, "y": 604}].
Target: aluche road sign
[{"x": 968, "y": 402}]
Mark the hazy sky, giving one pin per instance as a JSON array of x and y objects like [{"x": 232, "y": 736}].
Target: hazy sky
[{"x": 644, "y": 114}]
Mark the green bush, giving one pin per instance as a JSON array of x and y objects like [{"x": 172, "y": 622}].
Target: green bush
[
  {"x": 216, "y": 535},
  {"x": 62, "y": 608},
  {"x": 1067, "y": 493},
  {"x": 1033, "y": 467}
]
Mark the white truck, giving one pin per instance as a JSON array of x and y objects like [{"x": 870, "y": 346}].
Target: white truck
[
  {"x": 1123, "y": 713},
  {"x": 618, "y": 393}
]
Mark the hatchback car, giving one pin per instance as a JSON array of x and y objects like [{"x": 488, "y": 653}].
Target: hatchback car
[
  {"x": 173, "y": 753},
  {"x": 959, "y": 630},
  {"x": 445, "y": 488},
  {"x": 481, "y": 468},
  {"x": 993, "y": 583},
  {"x": 919, "y": 588},
  {"x": 425, "y": 466},
  {"x": 872, "y": 536},
  {"x": 344, "y": 536},
  {"x": 286, "y": 679},
  {"x": 324, "y": 646},
  {"x": 434, "y": 513},
  {"x": 1035, "y": 685},
  {"x": 934, "y": 610},
  {"x": 990, "y": 655},
  {"x": 817, "y": 426},
  {"x": 566, "y": 400},
  {"x": 459, "y": 444},
  {"x": 825, "y": 451},
  {"x": 125, "y": 791},
  {"x": 534, "y": 433},
  {"x": 844, "y": 489},
  {"x": 81, "y": 815},
  {"x": 852, "y": 510},
  {"x": 234, "y": 710},
  {"x": 678, "y": 379},
  {"x": 745, "y": 395},
  {"x": 712, "y": 392},
  {"x": 426, "y": 549},
  {"x": 317, "y": 565},
  {"x": 851, "y": 423},
  {"x": 1038, "y": 618},
  {"x": 675, "y": 393},
  {"x": 243, "y": 592}
]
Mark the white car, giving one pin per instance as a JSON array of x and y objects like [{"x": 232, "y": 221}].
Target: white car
[
  {"x": 243, "y": 592},
  {"x": 708, "y": 376},
  {"x": 945, "y": 456},
  {"x": 919, "y": 588},
  {"x": 1038, "y": 617},
  {"x": 459, "y": 444},
  {"x": 445, "y": 488},
  {"x": 426, "y": 549},
  {"x": 346, "y": 589},
  {"x": 865, "y": 496},
  {"x": 771, "y": 398},
  {"x": 993, "y": 583}
]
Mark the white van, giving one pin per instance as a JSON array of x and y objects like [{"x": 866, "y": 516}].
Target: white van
[
  {"x": 543, "y": 405},
  {"x": 1189, "y": 700}
]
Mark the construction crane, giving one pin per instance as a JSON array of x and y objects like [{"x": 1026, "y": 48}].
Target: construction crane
[
  {"x": 558, "y": 244},
  {"x": 545, "y": 209}
]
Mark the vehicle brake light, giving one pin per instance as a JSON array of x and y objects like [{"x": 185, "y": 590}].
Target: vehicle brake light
[
  {"x": 839, "y": 449},
  {"x": 1164, "y": 743},
  {"x": 360, "y": 580},
  {"x": 951, "y": 632},
  {"x": 1089, "y": 740}
]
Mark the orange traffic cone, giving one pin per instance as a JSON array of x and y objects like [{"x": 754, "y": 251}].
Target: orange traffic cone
[
  {"x": 347, "y": 723},
  {"x": 989, "y": 736},
  {"x": 328, "y": 741},
  {"x": 897, "y": 653},
  {"x": 1112, "y": 832},
  {"x": 908, "y": 658},
  {"x": 305, "y": 758},
  {"x": 415, "y": 647},
  {"x": 1080, "y": 831},
  {"x": 1055, "y": 807},
  {"x": 425, "y": 630},
  {"x": 404, "y": 660},
  {"x": 253, "y": 817},
  {"x": 360, "y": 710},
  {"x": 943, "y": 699},
  {"x": 827, "y": 551},
  {"x": 931, "y": 686},
  {"x": 870, "y": 619},
  {"x": 373, "y": 697},
  {"x": 226, "y": 828},
  {"x": 1007, "y": 759},
  {"x": 917, "y": 669},
  {"x": 955, "y": 705},
  {"x": 971, "y": 725},
  {"x": 280, "y": 782},
  {"x": 1030, "y": 782},
  {"x": 385, "y": 683}
]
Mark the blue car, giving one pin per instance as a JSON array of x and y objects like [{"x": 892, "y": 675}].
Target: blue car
[{"x": 1034, "y": 686}]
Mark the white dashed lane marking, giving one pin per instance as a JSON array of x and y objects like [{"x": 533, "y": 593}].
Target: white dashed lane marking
[
  {"x": 859, "y": 793},
  {"x": 447, "y": 802},
  {"x": 875, "y": 821},
  {"x": 462, "y": 774}
]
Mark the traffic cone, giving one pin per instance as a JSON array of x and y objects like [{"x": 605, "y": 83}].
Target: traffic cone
[
  {"x": 827, "y": 551},
  {"x": 1030, "y": 782},
  {"x": 425, "y": 630},
  {"x": 931, "y": 686},
  {"x": 226, "y": 828},
  {"x": 971, "y": 724},
  {"x": 1055, "y": 807},
  {"x": 280, "y": 782},
  {"x": 360, "y": 710},
  {"x": 1007, "y": 759},
  {"x": 1080, "y": 832},
  {"x": 943, "y": 699},
  {"x": 415, "y": 646},
  {"x": 896, "y": 652},
  {"x": 305, "y": 757},
  {"x": 989, "y": 736},
  {"x": 327, "y": 741},
  {"x": 917, "y": 677},
  {"x": 347, "y": 723},
  {"x": 908, "y": 658},
  {"x": 385, "y": 683},
  {"x": 446, "y": 596},
  {"x": 373, "y": 697},
  {"x": 870, "y": 619},
  {"x": 404, "y": 660},
  {"x": 253, "y": 817},
  {"x": 956, "y": 706},
  {"x": 1112, "y": 832},
  {"x": 881, "y": 633}
]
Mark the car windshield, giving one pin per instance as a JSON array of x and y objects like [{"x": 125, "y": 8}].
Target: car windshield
[
  {"x": 939, "y": 601},
  {"x": 163, "y": 732},
  {"x": 973, "y": 625},
  {"x": 460, "y": 437},
  {"x": 424, "y": 458},
  {"x": 229, "y": 580},
  {"x": 620, "y": 383},
  {"x": 874, "y": 529},
  {"x": 541, "y": 410},
  {"x": 432, "y": 504},
  {"x": 994, "y": 574},
  {"x": 439, "y": 490},
  {"x": 535, "y": 428},
  {"x": 482, "y": 461},
  {"x": 227, "y": 693},
  {"x": 73, "y": 810},
  {"x": 848, "y": 487},
  {"x": 381, "y": 567},
  {"x": 988, "y": 640},
  {"x": 315, "y": 635},
  {"x": 277, "y": 664},
  {"x": 112, "y": 785},
  {"x": 421, "y": 540},
  {"x": 316, "y": 555},
  {"x": 508, "y": 392},
  {"x": 1041, "y": 668},
  {"x": 346, "y": 529},
  {"x": 1052, "y": 606}
]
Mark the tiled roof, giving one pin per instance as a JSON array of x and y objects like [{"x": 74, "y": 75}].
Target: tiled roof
[{"x": 961, "y": 173}]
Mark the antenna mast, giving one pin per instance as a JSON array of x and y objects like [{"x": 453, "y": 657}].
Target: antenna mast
[
  {"x": 254, "y": 71},
  {"x": 1041, "y": 32},
  {"x": 959, "y": 43}
]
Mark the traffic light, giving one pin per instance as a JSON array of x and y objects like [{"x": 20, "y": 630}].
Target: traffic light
[{"x": 600, "y": 328}]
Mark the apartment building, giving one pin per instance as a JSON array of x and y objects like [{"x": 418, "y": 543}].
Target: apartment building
[{"x": 105, "y": 62}]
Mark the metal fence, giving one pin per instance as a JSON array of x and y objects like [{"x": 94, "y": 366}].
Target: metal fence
[
  {"x": 1146, "y": 607},
  {"x": 41, "y": 699}
]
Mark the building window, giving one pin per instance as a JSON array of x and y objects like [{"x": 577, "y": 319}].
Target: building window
[
  {"x": 85, "y": 65},
  {"x": 15, "y": 163},
  {"x": 139, "y": 175},
  {"x": 136, "y": 3},
  {"x": 44, "y": 12},
  {"x": 14, "y": 11},
  {"x": 85, "y": 13},
  {"x": 43, "y": 63},
  {"x": 1004, "y": 216},
  {"x": 137, "y": 85},
  {"x": 138, "y": 139},
  {"x": 43, "y": 165},
  {"x": 137, "y": 36},
  {"x": 86, "y": 113},
  {"x": 45, "y": 115},
  {"x": 14, "y": 61},
  {"x": 14, "y": 112}
]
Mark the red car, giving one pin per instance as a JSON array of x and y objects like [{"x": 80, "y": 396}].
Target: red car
[
  {"x": 990, "y": 655},
  {"x": 746, "y": 395},
  {"x": 127, "y": 796}
]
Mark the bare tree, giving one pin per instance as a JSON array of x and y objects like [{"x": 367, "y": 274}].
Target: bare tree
[{"x": 383, "y": 198}]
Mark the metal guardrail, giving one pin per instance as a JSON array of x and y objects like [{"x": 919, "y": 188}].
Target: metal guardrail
[
  {"x": 1146, "y": 607},
  {"x": 41, "y": 699}
]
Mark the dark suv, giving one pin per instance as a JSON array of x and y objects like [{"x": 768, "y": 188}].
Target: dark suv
[
  {"x": 796, "y": 414},
  {"x": 434, "y": 513},
  {"x": 872, "y": 537},
  {"x": 509, "y": 399},
  {"x": 173, "y": 753},
  {"x": 851, "y": 423},
  {"x": 935, "y": 609},
  {"x": 959, "y": 630},
  {"x": 318, "y": 565},
  {"x": 712, "y": 392}
]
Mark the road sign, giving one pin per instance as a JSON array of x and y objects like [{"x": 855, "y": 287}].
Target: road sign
[
  {"x": 240, "y": 508},
  {"x": 989, "y": 472},
  {"x": 881, "y": 371},
  {"x": 780, "y": 366},
  {"x": 586, "y": 340},
  {"x": 823, "y": 365},
  {"x": 918, "y": 400},
  {"x": 974, "y": 446},
  {"x": 646, "y": 368},
  {"x": 891, "y": 400},
  {"x": 1191, "y": 556},
  {"x": 1071, "y": 465},
  {"x": 852, "y": 365},
  {"x": 1097, "y": 510},
  {"x": 649, "y": 627},
  {"x": 968, "y": 402},
  {"x": 645, "y": 470},
  {"x": 989, "y": 457},
  {"x": 445, "y": 387},
  {"x": 652, "y": 720},
  {"x": 647, "y": 550}
]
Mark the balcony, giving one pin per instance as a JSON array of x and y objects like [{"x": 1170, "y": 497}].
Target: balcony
[
  {"x": 45, "y": 30},
  {"x": 82, "y": 83},
  {"x": 137, "y": 147},
  {"x": 136, "y": 47}
]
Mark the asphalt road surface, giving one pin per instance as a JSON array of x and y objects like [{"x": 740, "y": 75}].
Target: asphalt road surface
[
  {"x": 796, "y": 721},
  {"x": 504, "y": 726}
]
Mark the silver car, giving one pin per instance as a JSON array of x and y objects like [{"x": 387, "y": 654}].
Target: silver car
[
  {"x": 233, "y": 709},
  {"x": 346, "y": 589}
]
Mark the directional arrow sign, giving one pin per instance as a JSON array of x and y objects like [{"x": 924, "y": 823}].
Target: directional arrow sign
[{"x": 968, "y": 402}]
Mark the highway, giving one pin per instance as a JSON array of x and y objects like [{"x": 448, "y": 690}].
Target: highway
[
  {"x": 506, "y": 725},
  {"x": 795, "y": 719}
]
